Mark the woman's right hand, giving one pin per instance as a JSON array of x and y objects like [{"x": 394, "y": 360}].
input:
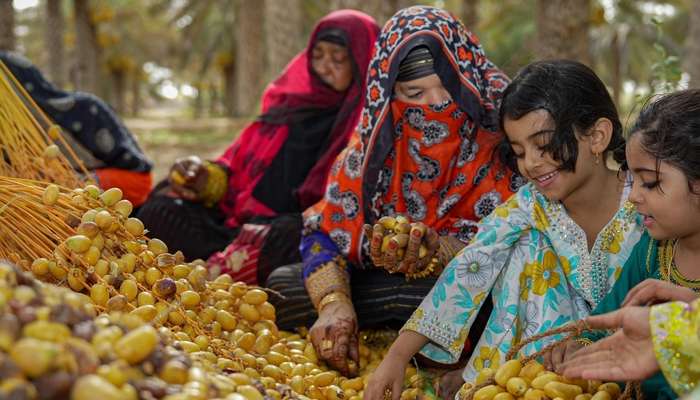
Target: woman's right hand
[
  {"x": 188, "y": 177},
  {"x": 388, "y": 376},
  {"x": 334, "y": 335}
]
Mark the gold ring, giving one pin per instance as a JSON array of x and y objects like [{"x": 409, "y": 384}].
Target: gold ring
[
  {"x": 326, "y": 344},
  {"x": 387, "y": 394}
]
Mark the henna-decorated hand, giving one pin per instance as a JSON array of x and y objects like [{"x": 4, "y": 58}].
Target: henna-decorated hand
[
  {"x": 334, "y": 336},
  {"x": 399, "y": 246}
]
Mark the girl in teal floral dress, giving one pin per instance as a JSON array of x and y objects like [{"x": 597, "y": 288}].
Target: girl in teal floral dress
[{"x": 551, "y": 252}]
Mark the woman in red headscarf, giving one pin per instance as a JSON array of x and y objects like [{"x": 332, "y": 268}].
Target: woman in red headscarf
[{"x": 278, "y": 165}]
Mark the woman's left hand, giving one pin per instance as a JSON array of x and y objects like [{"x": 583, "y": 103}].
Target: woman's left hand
[
  {"x": 626, "y": 355},
  {"x": 412, "y": 261}
]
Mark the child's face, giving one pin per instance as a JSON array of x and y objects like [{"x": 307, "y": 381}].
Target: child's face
[
  {"x": 528, "y": 137},
  {"x": 670, "y": 210}
]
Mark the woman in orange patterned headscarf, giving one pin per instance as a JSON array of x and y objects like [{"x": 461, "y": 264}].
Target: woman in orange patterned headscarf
[{"x": 425, "y": 150}]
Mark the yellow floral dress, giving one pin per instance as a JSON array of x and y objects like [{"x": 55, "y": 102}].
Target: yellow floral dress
[{"x": 534, "y": 260}]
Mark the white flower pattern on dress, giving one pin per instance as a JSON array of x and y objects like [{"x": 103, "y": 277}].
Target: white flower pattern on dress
[{"x": 475, "y": 269}]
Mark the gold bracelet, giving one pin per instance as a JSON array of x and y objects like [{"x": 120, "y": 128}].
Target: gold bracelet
[
  {"x": 332, "y": 298},
  {"x": 445, "y": 253},
  {"x": 448, "y": 249},
  {"x": 425, "y": 272},
  {"x": 328, "y": 278}
]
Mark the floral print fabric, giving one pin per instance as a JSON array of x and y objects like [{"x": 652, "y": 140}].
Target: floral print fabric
[{"x": 528, "y": 253}]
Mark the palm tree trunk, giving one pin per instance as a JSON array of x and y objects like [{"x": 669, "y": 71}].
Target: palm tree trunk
[
  {"x": 88, "y": 54},
  {"x": 250, "y": 56},
  {"x": 692, "y": 46},
  {"x": 283, "y": 24},
  {"x": 213, "y": 99},
  {"x": 7, "y": 25},
  {"x": 470, "y": 13},
  {"x": 616, "y": 48},
  {"x": 53, "y": 38},
  {"x": 229, "y": 90},
  {"x": 119, "y": 95},
  {"x": 562, "y": 29},
  {"x": 136, "y": 76}
]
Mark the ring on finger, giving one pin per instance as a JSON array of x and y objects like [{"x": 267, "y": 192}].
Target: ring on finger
[
  {"x": 387, "y": 394},
  {"x": 326, "y": 344}
]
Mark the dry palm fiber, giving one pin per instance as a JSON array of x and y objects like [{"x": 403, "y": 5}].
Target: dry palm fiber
[
  {"x": 31, "y": 145},
  {"x": 30, "y": 228}
]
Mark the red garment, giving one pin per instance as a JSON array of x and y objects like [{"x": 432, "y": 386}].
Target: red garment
[
  {"x": 135, "y": 186},
  {"x": 430, "y": 178},
  {"x": 240, "y": 258},
  {"x": 298, "y": 87}
]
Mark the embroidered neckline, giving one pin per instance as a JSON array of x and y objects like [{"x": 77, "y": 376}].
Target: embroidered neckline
[{"x": 591, "y": 275}]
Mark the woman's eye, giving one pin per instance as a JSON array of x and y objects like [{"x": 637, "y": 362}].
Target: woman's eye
[
  {"x": 650, "y": 185},
  {"x": 519, "y": 155},
  {"x": 414, "y": 95}
]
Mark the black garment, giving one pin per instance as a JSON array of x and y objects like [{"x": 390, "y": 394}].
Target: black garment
[
  {"x": 199, "y": 231},
  {"x": 307, "y": 141},
  {"x": 381, "y": 300},
  {"x": 190, "y": 227}
]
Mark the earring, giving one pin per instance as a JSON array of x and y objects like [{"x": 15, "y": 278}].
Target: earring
[{"x": 597, "y": 158}]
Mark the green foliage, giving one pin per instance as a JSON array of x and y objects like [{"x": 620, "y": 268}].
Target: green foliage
[{"x": 666, "y": 71}]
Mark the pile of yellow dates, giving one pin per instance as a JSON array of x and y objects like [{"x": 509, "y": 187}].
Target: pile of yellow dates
[
  {"x": 223, "y": 332},
  {"x": 52, "y": 346},
  {"x": 532, "y": 382}
]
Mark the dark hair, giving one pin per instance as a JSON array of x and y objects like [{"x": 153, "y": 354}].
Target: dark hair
[
  {"x": 574, "y": 97},
  {"x": 670, "y": 129}
]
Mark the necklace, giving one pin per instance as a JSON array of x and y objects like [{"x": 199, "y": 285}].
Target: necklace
[{"x": 669, "y": 270}]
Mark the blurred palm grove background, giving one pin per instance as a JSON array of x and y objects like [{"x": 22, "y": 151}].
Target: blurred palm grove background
[{"x": 186, "y": 74}]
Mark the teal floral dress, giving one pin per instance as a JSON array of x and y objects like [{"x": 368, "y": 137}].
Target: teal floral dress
[{"x": 534, "y": 259}]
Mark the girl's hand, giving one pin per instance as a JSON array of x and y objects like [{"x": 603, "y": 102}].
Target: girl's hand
[
  {"x": 334, "y": 336},
  {"x": 449, "y": 385},
  {"x": 652, "y": 291},
  {"x": 388, "y": 376},
  {"x": 188, "y": 177},
  {"x": 554, "y": 359},
  {"x": 627, "y": 355}
]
